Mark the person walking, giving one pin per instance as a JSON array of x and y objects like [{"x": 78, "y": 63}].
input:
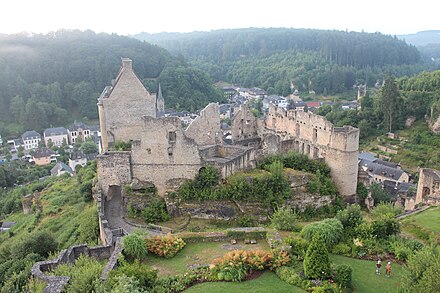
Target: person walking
[
  {"x": 388, "y": 269},
  {"x": 378, "y": 266}
]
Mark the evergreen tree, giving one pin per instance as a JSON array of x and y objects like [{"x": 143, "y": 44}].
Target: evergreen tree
[{"x": 316, "y": 261}]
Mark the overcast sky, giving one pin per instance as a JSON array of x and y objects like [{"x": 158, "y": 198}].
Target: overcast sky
[{"x": 131, "y": 17}]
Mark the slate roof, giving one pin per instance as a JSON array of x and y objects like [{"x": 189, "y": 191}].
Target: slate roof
[
  {"x": 60, "y": 167},
  {"x": 77, "y": 155},
  {"x": 7, "y": 225},
  {"x": 367, "y": 156},
  {"x": 32, "y": 134},
  {"x": 388, "y": 164},
  {"x": 55, "y": 131},
  {"x": 382, "y": 170},
  {"x": 78, "y": 125},
  {"x": 43, "y": 153}
]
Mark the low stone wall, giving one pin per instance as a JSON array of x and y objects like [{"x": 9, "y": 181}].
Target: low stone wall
[{"x": 56, "y": 284}]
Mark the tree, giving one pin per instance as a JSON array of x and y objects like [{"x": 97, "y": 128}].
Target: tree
[
  {"x": 421, "y": 272},
  {"x": 316, "y": 261},
  {"x": 389, "y": 98},
  {"x": 350, "y": 218},
  {"x": 89, "y": 147}
]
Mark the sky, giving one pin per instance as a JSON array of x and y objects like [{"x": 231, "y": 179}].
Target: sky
[{"x": 130, "y": 17}]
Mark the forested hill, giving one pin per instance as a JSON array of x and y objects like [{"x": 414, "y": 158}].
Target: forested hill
[
  {"x": 55, "y": 78},
  {"x": 323, "y": 61},
  {"x": 345, "y": 48}
]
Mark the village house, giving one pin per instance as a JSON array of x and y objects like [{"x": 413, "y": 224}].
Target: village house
[
  {"x": 80, "y": 131},
  {"x": 79, "y": 158},
  {"x": 60, "y": 168},
  {"x": 31, "y": 140},
  {"x": 1, "y": 140},
  {"x": 226, "y": 111},
  {"x": 276, "y": 101},
  {"x": 228, "y": 93},
  {"x": 379, "y": 171},
  {"x": 43, "y": 157},
  {"x": 57, "y": 136},
  {"x": 14, "y": 144}
]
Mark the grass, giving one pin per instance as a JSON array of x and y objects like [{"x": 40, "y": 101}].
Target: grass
[
  {"x": 424, "y": 225},
  {"x": 196, "y": 254},
  {"x": 268, "y": 282},
  {"x": 428, "y": 219},
  {"x": 364, "y": 277}
]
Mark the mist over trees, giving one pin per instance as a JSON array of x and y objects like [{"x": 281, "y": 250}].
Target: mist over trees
[
  {"x": 326, "y": 62},
  {"x": 50, "y": 80}
]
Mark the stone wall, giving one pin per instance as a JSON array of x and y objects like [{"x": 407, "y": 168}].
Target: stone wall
[
  {"x": 164, "y": 155},
  {"x": 243, "y": 125},
  {"x": 205, "y": 129},
  {"x": 55, "y": 284},
  {"x": 125, "y": 103},
  {"x": 316, "y": 137},
  {"x": 428, "y": 187},
  {"x": 114, "y": 169}
]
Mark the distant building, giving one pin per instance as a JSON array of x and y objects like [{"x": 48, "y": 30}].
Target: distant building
[
  {"x": 229, "y": 92},
  {"x": 225, "y": 111},
  {"x": 78, "y": 130},
  {"x": 275, "y": 100},
  {"x": 79, "y": 158},
  {"x": 60, "y": 168},
  {"x": 31, "y": 140},
  {"x": 1, "y": 141},
  {"x": 57, "y": 136},
  {"x": 43, "y": 157},
  {"x": 5, "y": 226},
  {"x": 14, "y": 144},
  {"x": 379, "y": 172}
]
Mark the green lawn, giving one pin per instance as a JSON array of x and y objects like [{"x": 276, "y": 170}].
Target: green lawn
[
  {"x": 266, "y": 283},
  {"x": 196, "y": 254},
  {"x": 428, "y": 219},
  {"x": 365, "y": 278}
]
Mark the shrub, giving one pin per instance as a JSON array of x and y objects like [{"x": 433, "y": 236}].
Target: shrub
[
  {"x": 166, "y": 246},
  {"x": 88, "y": 228},
  {"x": 316, "y": 262},
  {"x": 342, "y": 249},
  {"x": 342, "y": 275},
  {"x": 156, "y": 211},
  {"x": 144, "y": 275},
  {"x": 290, "y": 276},
  {"x": 125, "y": 284},
  {"x": 234, "y": 265},
  {"x": 284, "y": 219},
  {"x": 134, "y": 246},
  {"x": 385, "y": 227},
  {"x": 385, "y": 210},
  {"x": 84, "y": 274},
  {"x": 350, "y": 218},
  {"x": 86, "y": 190},
  {"x": 246, "y": 221},
  {"x": 42, "y": 243},
  {"x": 298, "y": 246},
  {"x": 330, "y": 229}
]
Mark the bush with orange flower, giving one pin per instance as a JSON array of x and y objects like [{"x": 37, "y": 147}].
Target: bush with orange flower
[
  {"x": 166, "y": 246},
  {"x": 235, "y": 265}
]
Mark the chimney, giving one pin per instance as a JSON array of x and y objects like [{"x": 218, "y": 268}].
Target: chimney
[{"x": 127, "y": 63}]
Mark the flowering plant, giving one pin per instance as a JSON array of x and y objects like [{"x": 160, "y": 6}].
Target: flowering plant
[{"x": 166, "y": 246}]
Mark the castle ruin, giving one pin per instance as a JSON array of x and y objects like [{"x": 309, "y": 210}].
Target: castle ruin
[{"x": 165, "y": 154}]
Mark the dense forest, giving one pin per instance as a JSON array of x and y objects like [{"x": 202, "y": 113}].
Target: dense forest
[
  {"x": 326, "y": 62},
  {"x": 55, "y": 78}
]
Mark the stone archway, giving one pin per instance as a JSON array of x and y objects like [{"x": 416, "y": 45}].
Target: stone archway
[
  {"x": 426, "y": 191},
  {"x": 114, "y": 191}
]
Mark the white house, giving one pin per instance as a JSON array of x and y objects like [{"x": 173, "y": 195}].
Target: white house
[
  {"x": 57, "y": 136},
  {"x": 31, "y": 140}
]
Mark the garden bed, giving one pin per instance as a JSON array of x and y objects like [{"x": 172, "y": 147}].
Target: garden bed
[{"x": 198, "y": 254}]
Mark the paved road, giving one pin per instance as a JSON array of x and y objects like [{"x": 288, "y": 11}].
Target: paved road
[{"x": 114, "y": 212}]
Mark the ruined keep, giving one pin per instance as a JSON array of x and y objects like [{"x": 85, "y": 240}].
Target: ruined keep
[
  {"x": 165, "y": 154},
  {"x": 428, "y": 187}
]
